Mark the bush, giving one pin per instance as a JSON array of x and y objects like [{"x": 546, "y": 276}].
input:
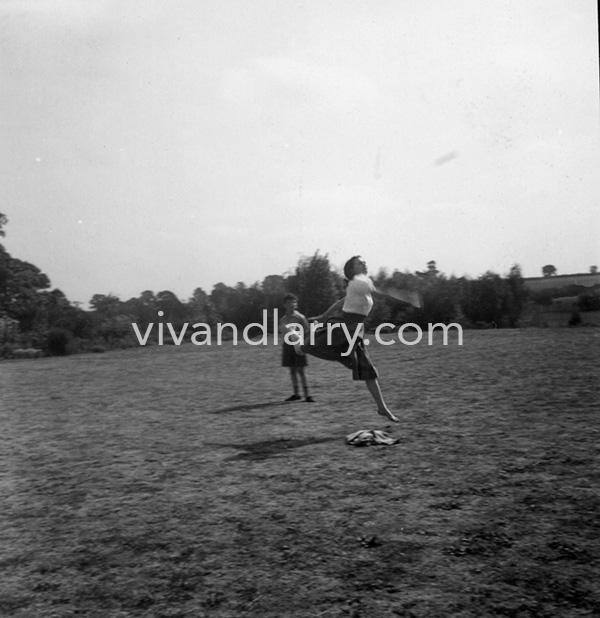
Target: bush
[
  {"x": 6, "y": 350},
  {"x": 589, "y": 301},
  {"x": 58, "y": 342}
]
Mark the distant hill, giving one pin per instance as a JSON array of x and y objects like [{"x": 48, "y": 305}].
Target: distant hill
[
  {"x": 557, "y": 282},
  {"x": 557, "y": 298}
]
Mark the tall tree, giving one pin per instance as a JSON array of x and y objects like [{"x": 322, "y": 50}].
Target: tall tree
[
  {"x": 173, "y": 309},
  {"x": 482, "y": 300},
  {"x": 60, "y": 313},
  {"x": 516, "y": 294},
  {"x": 106, "y": 304},
  {"x": 274, "y": 289},
  {"x": 20, "y": 285},
  {"x": 222, "y": 299},
  {"x": 201, "y": 309},
  {"x": 316, "y": 284}
]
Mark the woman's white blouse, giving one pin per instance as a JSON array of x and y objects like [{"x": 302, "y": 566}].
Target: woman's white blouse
[{"x": 358, "y": 295}]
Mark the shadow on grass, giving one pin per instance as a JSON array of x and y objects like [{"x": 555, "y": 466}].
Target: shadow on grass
[
  {"x": 249, "y": 406},
  {"x": 272, "y": 448}
]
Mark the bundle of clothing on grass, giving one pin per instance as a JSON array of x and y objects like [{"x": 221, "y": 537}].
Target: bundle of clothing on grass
[{"x": 368, "y": 437}]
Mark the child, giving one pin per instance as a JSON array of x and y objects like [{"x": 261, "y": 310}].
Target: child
[
  {"x": 296, "y": 362},
  {"x": 352, "y": 311}
]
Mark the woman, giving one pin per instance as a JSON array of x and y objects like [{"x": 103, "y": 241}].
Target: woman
[{"x": 331, "y": 343}]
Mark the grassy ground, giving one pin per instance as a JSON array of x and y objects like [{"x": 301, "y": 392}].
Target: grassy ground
[{"x": 173, "y": 482}]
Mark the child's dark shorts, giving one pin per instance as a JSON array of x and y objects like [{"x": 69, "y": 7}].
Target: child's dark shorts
[{"x": 289, "y": 358}]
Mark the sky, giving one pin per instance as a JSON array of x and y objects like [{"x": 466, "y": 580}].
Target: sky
[{"x": 154, "y": 145}]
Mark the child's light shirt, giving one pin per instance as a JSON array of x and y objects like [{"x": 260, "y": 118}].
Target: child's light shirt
[{"x": 358, "y": 295}]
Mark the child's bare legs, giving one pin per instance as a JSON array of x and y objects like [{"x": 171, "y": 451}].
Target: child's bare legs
[
  {"x": 382, "y": 409},
  {"x": 295, "y": 373},
  {"x": 302, "y": 375},
  {"x": 294, "y": 377}
]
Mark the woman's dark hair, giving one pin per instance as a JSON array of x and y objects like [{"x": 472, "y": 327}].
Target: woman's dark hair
[
  {"x": 349, "y": 268},
  {"x": 290, "y": 296}
]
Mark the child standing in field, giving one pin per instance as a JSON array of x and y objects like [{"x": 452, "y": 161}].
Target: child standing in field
[
  {"x": 350, "y": 312},
  {"x": 296, "y": 362}
]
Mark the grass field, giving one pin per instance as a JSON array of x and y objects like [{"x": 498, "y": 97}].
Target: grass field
[{"x": 173, "y": 482}]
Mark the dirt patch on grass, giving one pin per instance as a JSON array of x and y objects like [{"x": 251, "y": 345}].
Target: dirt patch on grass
[{"x": 174, "y": 482}]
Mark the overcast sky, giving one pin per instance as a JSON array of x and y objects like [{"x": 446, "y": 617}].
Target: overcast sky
[{"x": 154, "y": 145}]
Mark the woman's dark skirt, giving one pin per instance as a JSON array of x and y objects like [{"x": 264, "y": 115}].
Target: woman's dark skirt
[{"x": 358, "y": 361}]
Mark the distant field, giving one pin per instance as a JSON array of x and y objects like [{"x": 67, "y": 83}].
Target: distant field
[{"x": 173, "y": 482}]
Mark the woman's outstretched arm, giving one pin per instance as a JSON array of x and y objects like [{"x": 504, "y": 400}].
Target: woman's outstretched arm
[{"x": 406, "y": 296}]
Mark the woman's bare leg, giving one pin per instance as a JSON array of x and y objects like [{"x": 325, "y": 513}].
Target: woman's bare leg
[{"x": 382, "y": 409}]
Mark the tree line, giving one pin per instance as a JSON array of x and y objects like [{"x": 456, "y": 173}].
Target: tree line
[{"x": 33, "y": 316}]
